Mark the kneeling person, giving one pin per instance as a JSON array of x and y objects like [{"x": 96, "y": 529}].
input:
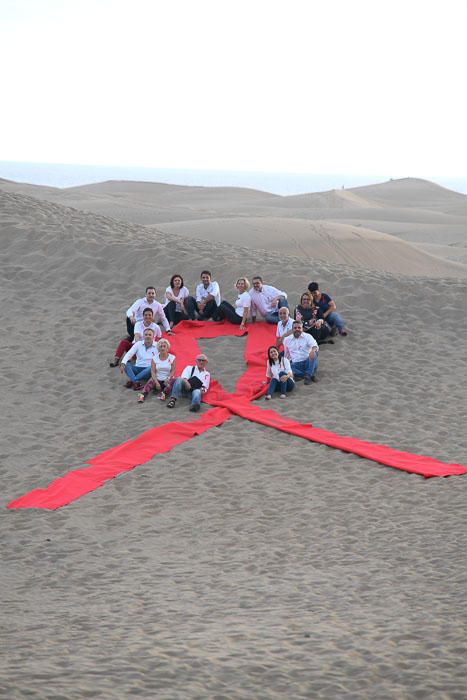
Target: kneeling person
[{"x": 194, "y": 382}]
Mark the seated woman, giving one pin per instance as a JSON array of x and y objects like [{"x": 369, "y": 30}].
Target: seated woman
[
  {"x": 309, "y": 314},
  {"x": 279, "y": 371},
  {"x": 162, "y": 372},
  {"x": 239, "y": 313},
  {"x": 140, "y": 326},
  {"x": 176, "y": 294}
]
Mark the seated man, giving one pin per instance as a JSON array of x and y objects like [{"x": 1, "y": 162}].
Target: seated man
[
  {"x": 135, "y": 312},
  {"x": 206, "y": 300},
  {"x": 140, "y": 326},
  {"x": 194, "y": 381},
  {"x": 284, "y": 326},
  {"x": 302, "y": 351},
  {"x": 327, "y": 309},
  {"x": 267, "y": 300},
  {"x": 144, "y": 350}
]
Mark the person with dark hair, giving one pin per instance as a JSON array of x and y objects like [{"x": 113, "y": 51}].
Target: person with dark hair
[
  {"x": 176, "y": 295},
  {"x": 266, "y": 300},
  {"x": 327, "y": 308},
  {"x": 140, "y": 326},
  {"x": 313, "y": 323},
  {"x": 239, "y": 313},
  {"x": 135, "y": 312},
  {"x": 206, "y": 300},
  {"x": 302, "y": 351},
  {"x": 279, "y": 371},
  {"x": 194, "y": 382}
]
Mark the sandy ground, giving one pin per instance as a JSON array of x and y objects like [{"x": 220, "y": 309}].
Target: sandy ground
[{"x": 245, "y": 563}]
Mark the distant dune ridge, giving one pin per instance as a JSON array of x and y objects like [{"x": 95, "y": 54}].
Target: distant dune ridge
[
  {"x": 348, "y": 226},
  {"x": 245, "y": 563}
]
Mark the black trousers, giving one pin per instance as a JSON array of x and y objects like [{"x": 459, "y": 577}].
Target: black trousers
[
  {"x": 226, "y": 310},
  {"x": 172, "y": 315},
  {"x": 192, "y": 307}
]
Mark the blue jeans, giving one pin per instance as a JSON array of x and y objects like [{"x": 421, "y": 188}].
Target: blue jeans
[
  {"x": 137, "y": 374},
  {"x": 334, "y": 319},
  {"x": 178, "y": 391},
  {"x": 305, "y": 367},
  {"x": 273, "y": 317},
  {"x": 283, "y": 387}
]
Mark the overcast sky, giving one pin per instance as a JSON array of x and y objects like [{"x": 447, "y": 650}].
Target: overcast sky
[{"x": 354, "y": 86}]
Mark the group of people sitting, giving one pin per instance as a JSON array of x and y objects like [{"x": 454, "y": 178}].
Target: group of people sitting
[{"x": 145, "y": 357}]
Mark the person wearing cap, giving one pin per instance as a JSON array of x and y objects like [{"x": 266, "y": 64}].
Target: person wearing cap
[{"x": 194, "y": 382}]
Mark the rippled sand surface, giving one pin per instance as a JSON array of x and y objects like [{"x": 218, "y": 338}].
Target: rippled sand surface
[{"x": 245, "y": 563}]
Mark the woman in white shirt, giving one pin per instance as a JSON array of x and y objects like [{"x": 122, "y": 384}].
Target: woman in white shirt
[
  {"x": 239, "y": 313},
  {"x": 162, "y": 372},
  {"x": 279, "y": 371},
  {"x": 176, "y": 294}
]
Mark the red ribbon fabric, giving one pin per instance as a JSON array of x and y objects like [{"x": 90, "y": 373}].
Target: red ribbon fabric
[{"x": 250, "y": 386}]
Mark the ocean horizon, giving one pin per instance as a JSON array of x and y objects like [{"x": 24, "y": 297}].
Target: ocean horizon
[{"x": 64, "y": 175}]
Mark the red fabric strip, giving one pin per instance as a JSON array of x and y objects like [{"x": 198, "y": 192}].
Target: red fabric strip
[
  {"x": 249, "y": 386},
  {"x": 119, "y": 459}
]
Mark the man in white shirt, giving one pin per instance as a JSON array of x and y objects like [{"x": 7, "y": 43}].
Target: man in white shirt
[
  {"x": 267, "y": 300},
  {"x": 284, "y": 326},
  {"x": 144, "y": 350},
  {"x": 206, "y": 300},
  {"x": 194, "y": 381},
  {"x": 135, "y": 312},
  {"x": 302, "y": 351}
]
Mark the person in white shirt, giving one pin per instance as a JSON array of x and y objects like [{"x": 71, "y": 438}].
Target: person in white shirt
[
  {"x": 302, "y": 351},
  {"x": 266, "y": 300},
  {"x": 162, "y": 371},
  {"x": 140, "y": 326},
  {"x": 284, "y": 326},
  {"x": 144, "y": 350},
  {"x": 239, "y": 313},
  {"x": 194, "y": 381},
  {"x": 175, "y": 305},
  {"x": 135, "y": 312},
  {"x": 279, "y": 371},
  {"x": 206, "y": 300}
]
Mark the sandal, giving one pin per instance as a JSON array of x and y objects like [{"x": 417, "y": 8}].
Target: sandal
[
  {"x": 171, "y": 402},
  {"x": 141, "y": 397}
]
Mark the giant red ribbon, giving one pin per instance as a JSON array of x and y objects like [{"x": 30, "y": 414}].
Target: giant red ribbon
[{"x": 250, "y": 385}]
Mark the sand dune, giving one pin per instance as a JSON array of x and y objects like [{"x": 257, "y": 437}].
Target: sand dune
[
  {"x": 247, "y": 563},
  {"x": 416, "y": 211}
]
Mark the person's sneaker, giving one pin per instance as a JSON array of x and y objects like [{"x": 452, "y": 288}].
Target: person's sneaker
[
  {"x": 115, "y": 362},
  {"x": 283, "y": 396},
  {"x": 314, "y": 379},
  {"x": 343, "y": 331},
  {"x": 333, "y": 331},
  {"x": 129, "y": 384},
  {"x": 307, "y": 379},
  {"x": 268, "y": 397},
  {"x": 141, "y": 397},
  {"x": 138, "y": 386},
  {"x": 194, "y": 408}
]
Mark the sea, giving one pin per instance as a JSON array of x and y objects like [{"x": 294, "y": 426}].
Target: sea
[{"x": 69, "y": 175}]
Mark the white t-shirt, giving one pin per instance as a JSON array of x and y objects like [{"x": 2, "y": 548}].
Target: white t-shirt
[
  {"x": 272, "y": 371},
  {"x": 163, "y": 367},
  {"x": 241, "y": 302},
  {"x": 212, "y": 288},
  {"x": 281, "y": 329},
  {"x": 182, "y": 294},
  {"x": 140, "y": 328},
  {"x": 202, "y": 374},
  {"x": 143, "y": 354},
  {"x": 298, "y": 349}
]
